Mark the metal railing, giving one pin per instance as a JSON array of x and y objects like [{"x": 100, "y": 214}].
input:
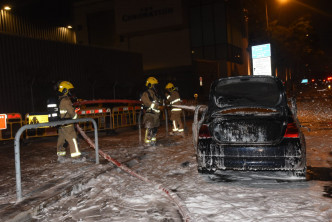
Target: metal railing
[{"x": 34, "y": 126}]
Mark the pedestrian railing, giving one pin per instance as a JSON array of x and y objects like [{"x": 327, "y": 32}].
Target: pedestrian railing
[{"x": 41, "y": 125}]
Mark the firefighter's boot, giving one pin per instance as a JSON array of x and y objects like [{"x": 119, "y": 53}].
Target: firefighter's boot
[{"x": 147, "y": 138}]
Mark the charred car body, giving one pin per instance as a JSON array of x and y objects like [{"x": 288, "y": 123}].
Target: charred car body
[{"x": 248, "y": 125}]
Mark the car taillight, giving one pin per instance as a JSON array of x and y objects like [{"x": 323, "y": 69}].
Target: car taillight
[
  {"x": 204, "y": 132},
  {"x": 291, "y": 131}
]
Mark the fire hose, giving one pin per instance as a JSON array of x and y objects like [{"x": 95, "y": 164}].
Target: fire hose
[{"x": 173, "y": 197}]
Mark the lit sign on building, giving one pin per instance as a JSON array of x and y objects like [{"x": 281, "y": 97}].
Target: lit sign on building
[
  {"x": 261, "y": 59},
  {"x": 146, "y": 13},
  {"x": 136, "y": 16}
]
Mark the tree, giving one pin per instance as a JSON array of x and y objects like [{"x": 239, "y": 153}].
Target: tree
[{"x": 294, "y": 45}]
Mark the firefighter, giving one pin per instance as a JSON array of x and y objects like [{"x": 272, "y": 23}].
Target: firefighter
[
  {"x": 173, "y": 97},
  {"x": 150, "y": 104},
  {"x": 67, "y": 132}
]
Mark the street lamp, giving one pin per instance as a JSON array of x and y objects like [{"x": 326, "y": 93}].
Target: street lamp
[
  {"x": 266, "y": 13},
  {"x": 283, "y": 1},
  {"x": 7, "y": 8}
]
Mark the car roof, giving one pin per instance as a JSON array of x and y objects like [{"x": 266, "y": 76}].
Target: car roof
[{"x": 248, "y": 91}]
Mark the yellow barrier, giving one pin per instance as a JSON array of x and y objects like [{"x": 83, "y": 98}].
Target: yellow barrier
[
  {"x": 106, "y": 118},
  {"x": 14, "y": 123},
  {"x": 101, "y": 115},
  {"x": 124, "y": 116},
  {"x": 39, "y": 132}
]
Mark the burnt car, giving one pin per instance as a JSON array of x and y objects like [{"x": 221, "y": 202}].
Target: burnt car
[{"x": 249, "y": 124}]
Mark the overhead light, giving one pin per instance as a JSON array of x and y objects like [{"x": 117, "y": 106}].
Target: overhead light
[
  {"x": 7, "y": 8},
  {"x": 69, "y": 26}
]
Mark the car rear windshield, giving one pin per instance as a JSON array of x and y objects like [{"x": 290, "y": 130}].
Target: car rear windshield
[{"x": 250, "y": 91}]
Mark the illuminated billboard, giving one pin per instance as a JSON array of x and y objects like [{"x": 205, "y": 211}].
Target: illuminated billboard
[{"x": 261, "y": 59}]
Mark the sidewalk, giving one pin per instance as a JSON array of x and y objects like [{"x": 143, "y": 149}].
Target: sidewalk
[
  {"x": 49, "y": 193},
  {"x": 44, "y": 180}
]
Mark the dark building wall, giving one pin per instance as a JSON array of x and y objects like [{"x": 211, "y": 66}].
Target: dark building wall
[
  {"x": 180, "y": 40},
  {"x": 30, "y": 68},
  {"x": 182, "y": 77},
  {"x": 20, "y": 26}
]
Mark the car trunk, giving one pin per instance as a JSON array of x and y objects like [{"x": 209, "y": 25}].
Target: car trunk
[
  {"x": 247, "y": 110},
  {"x": 243, "y": 129}
]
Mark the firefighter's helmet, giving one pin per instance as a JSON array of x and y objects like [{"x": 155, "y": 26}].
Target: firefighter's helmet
[
  {"x": 151, "y": 81},
  {"x": 170, "y": 86},
  {"x": 64, "y": 87}
]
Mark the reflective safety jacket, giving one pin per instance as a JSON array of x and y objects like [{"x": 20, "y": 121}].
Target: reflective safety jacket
[
  {"x": 174, "y": 99},
  {"x": 150, "y": 101},
  {"x": 67, "y": 110}
]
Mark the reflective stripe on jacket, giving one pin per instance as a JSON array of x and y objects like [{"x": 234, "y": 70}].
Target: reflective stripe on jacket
[
  {"x": 150, "y": 101},
  {"x": 67, "y": 110},
  {"x": 174, "y": 98}
]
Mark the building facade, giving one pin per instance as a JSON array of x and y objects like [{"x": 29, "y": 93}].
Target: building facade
[
  {"x": 35, "y": 55},
  {"x": 188, "y": 42}
]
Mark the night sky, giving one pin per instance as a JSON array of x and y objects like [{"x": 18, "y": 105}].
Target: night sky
[{"x": 321, "y": 12}]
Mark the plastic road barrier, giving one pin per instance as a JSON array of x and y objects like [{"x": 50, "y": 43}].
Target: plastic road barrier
[
  {"x": 123, "y": 116},
  {"x": 35, "y": 118},
  {"x": 13, "y": 122},
  {"x": 3, "y": 121},
  {"x": 85, "y": 102},
  {"x": 101, "y": 115}
]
